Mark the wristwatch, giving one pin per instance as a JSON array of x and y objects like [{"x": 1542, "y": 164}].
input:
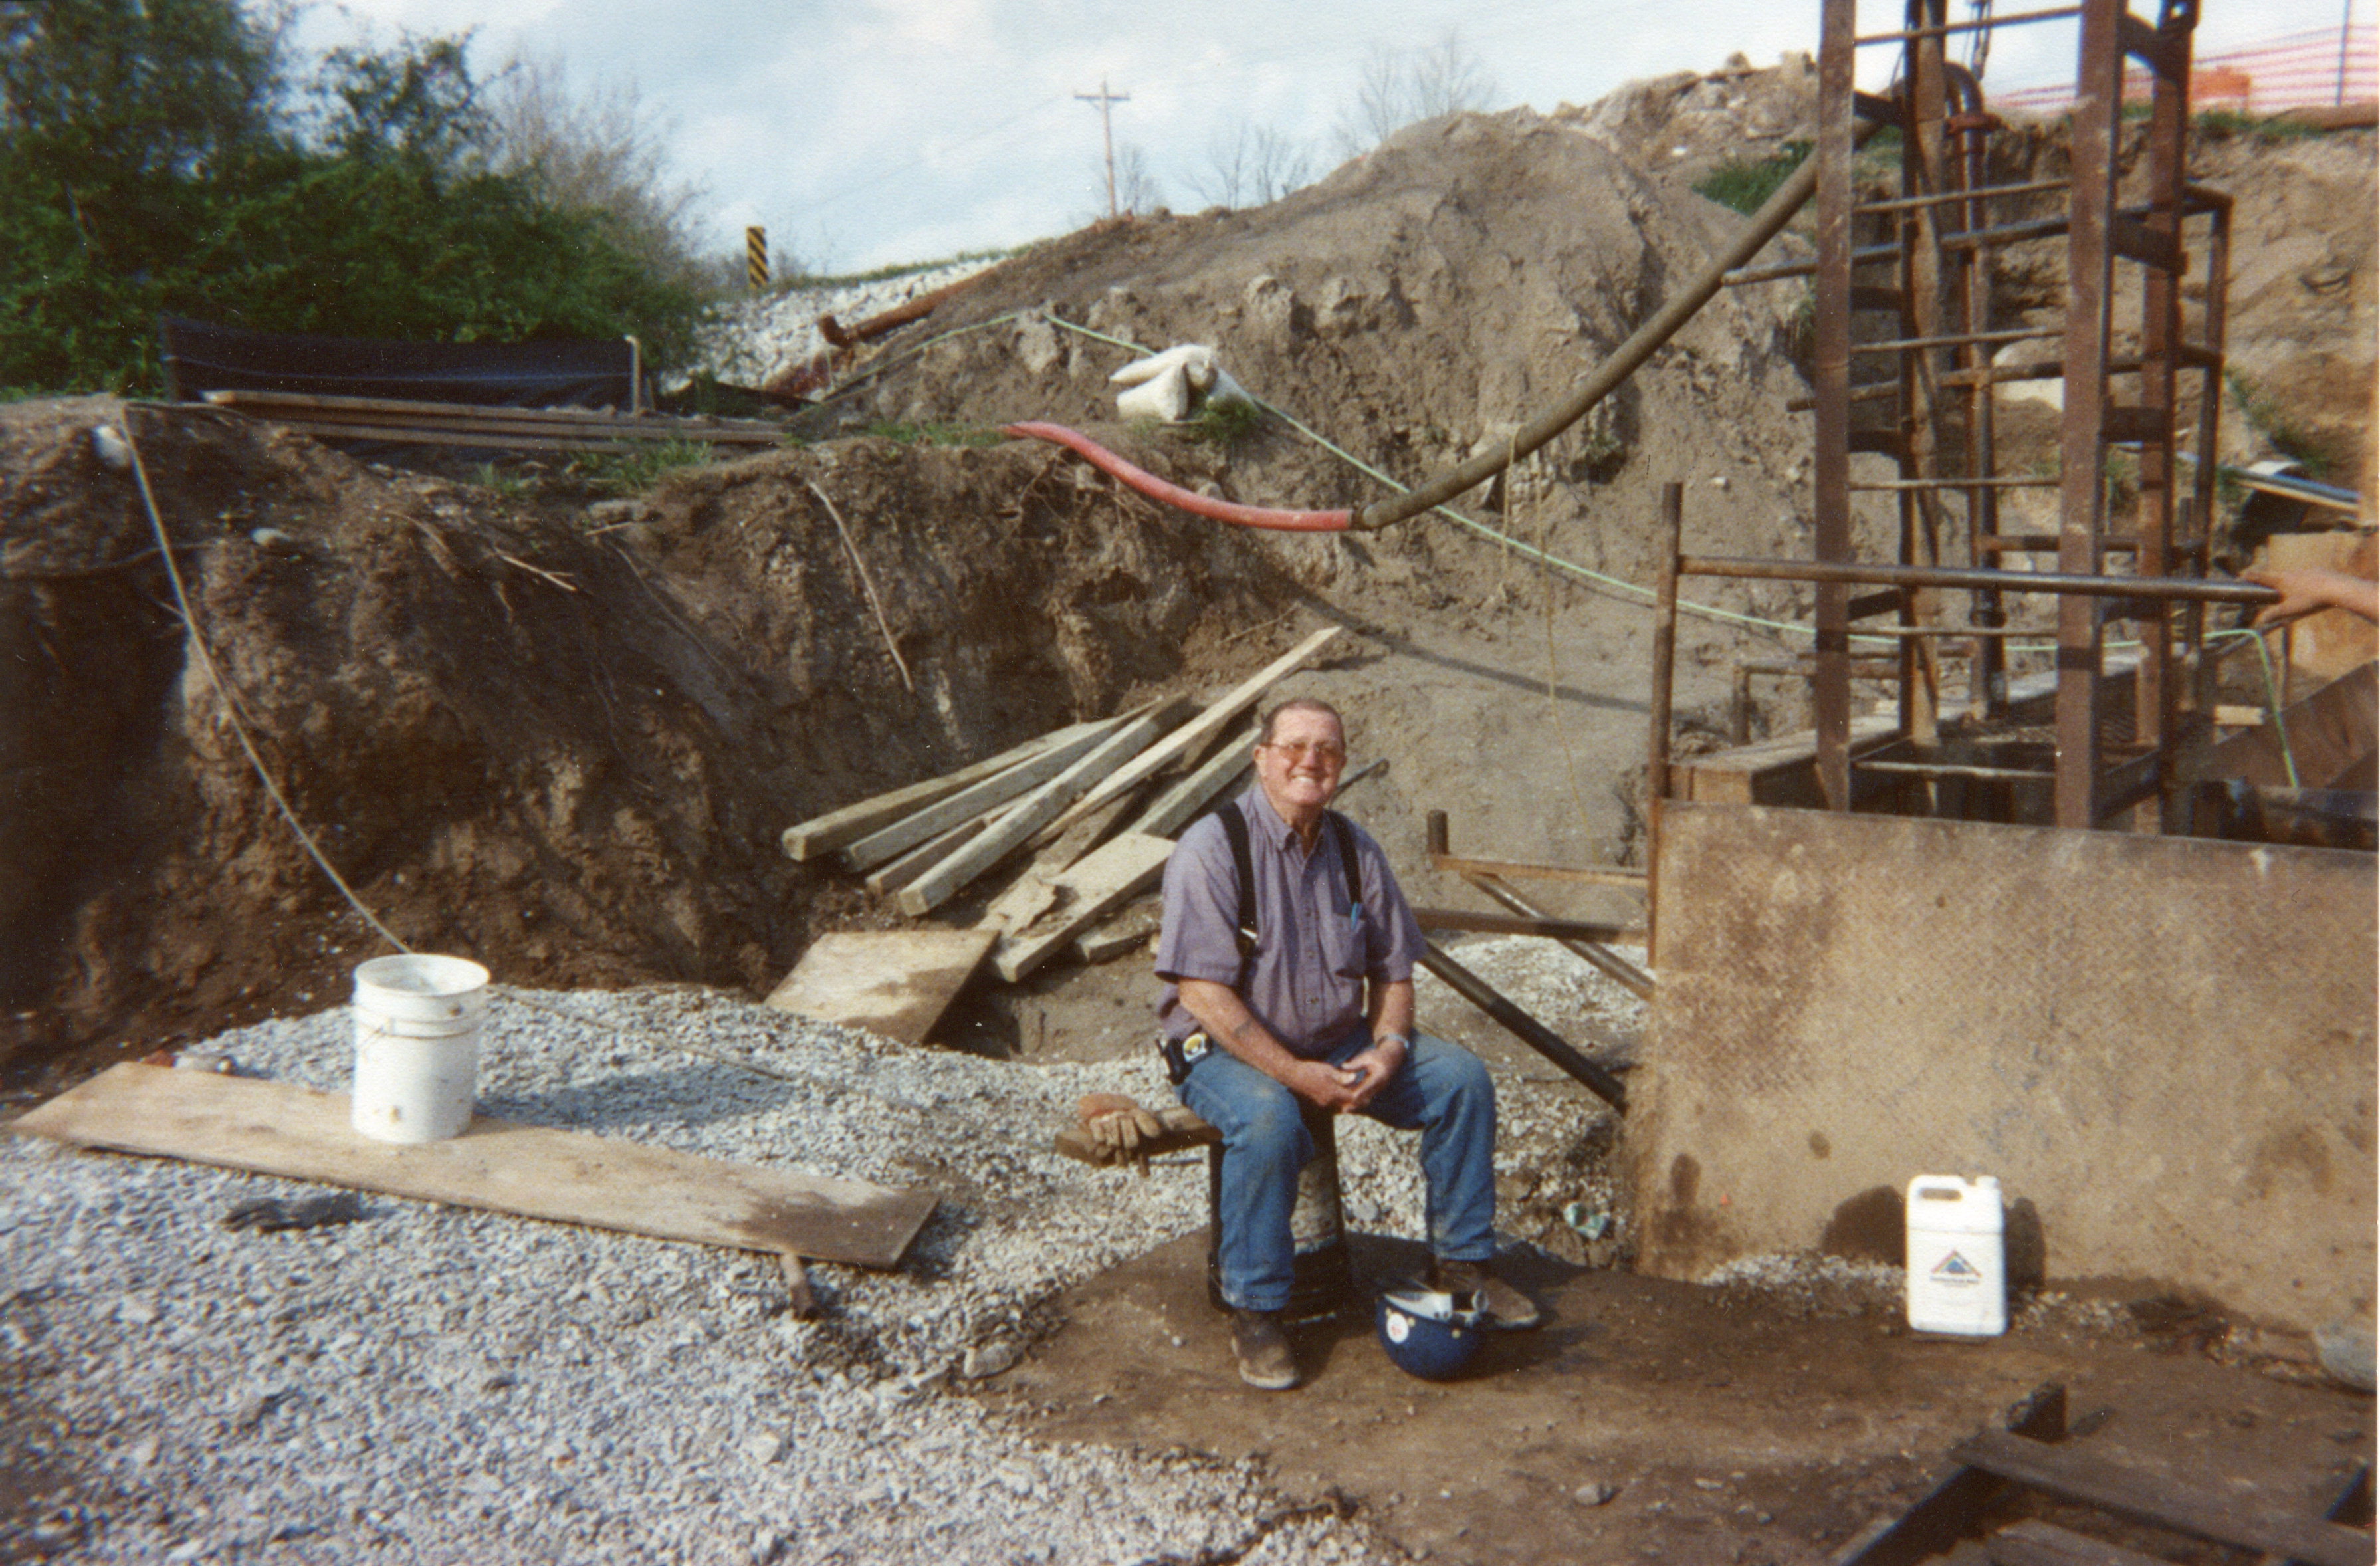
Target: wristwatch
[{"x": 1404, "y": 1043}]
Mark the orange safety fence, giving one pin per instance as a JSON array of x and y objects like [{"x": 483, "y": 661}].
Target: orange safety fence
[{"x": 2318, "y": 69}]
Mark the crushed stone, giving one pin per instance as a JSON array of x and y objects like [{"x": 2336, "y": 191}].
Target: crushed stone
[
  {"x": 752, "y": 340},
  {"x": 441, "y": 1384}
]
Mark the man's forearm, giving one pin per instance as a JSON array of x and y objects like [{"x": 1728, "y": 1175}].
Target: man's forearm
[
  {"x": 1229, "y": 1023},
  {"x": 1392, "y": 1009}
]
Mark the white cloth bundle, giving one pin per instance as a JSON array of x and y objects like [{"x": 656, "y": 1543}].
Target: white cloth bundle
[{"x": 1174, "y": 384}]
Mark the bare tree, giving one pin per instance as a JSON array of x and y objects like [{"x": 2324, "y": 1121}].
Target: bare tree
[
  {"x": 1447, "y": 78},
  {"x": 597, "y": 154},
  {"x": 1136, "y": 189},
  {"x": 1399, "y": 87},
  {"x": 1277, "y": 164},
  {"x": 1225, "y": 177},
  {"x": 1249, "y": 165}
]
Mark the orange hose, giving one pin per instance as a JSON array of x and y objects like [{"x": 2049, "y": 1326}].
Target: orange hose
[{"x": 1156, "y": 488}]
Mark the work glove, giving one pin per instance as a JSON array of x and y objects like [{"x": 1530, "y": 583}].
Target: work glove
[{"x": 1119, "y": 1128}]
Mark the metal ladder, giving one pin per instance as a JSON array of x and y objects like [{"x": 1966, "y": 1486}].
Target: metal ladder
[{"x": 1925, "y": 350}]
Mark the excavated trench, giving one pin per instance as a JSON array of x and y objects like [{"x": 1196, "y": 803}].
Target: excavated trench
[{"x": 563, "y": 746}]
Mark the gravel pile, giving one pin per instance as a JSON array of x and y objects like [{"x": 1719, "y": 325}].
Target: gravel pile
[
  {"x": 438, "y": 1384},
  {"x": 748, "y": 343},
  {"x": 1553, "y": 984}
]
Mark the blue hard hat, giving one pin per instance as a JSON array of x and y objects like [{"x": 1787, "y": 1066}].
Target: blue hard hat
[{"x": 1430, "y": 1333}]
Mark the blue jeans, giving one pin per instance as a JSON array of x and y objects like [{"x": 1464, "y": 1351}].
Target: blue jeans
[{"x": 1442, "y": 1090}]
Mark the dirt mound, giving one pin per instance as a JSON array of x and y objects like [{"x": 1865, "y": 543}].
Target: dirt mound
[
  {"x": 1417, "y": 307},
  {"x": 564, "y": 736},
  {"x": 564, "y": 745}
]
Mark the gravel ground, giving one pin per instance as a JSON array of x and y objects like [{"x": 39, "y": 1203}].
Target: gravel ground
[
  {"x": 437, "y": 1384},
  {"x": 758, "y": 338}
]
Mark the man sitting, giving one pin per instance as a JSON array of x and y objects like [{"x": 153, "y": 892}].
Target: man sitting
[{"x": 1317, "y": 1007}]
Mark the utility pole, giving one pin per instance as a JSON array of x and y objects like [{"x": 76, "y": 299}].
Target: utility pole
[{"x": 1107, "y": 131}]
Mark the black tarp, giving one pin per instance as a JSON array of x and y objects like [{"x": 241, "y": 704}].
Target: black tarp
[{"x": 570, "y": 373}]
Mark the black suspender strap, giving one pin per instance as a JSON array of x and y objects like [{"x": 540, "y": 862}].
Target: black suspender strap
[
  {"x": 1235, "y": 831},
  {"x": 1345, "y": 831}
]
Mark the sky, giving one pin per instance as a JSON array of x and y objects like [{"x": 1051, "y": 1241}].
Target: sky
[{"x": 866, "y": 133}]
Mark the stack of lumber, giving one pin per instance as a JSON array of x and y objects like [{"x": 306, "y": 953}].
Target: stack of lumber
[
  {"x": 1095, "y": 805},
  {"x": 471, "y": 424}
]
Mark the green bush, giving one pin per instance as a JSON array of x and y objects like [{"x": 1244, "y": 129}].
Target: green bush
[
  {"x": 159, "y": 156},
  {"x": 1746, "y": 185},
  {"x": 2266, "y": 129},
  {"x": 634, "y": 471}
]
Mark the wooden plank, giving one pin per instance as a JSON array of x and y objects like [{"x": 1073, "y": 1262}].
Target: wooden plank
[
  {"x": 497, "y": 429},
  {"x": 1580, "y": 875},
  {"x": 1475, "y": 923},
  {"x": 1946, "y": 1514},
  {"x": 1114, "y": 874},
  {"x": 1194, "y": 735},
  {"x": 1024, "y": 818},
  {"x": 2034, "y": 1543},
  {"x": 1128, "y": 932},
  {"x": 457, "y": 438},
  {"x": 1086, "y": 834},
  {"x": 849, "y": 824},
  {"x": 894, "y": 983},
  {"x": 1773, "y": 772},
  {"x": 327, "y": 404},
  {"x": 901, "y": 835},
  {"x": 885, "y": 879},
  {"x": 496, "y": 1166},
  {"x": 1178, "y": 805},
  {"x": 2330, "y": 733},
  {"x": 2209, "y": 1511}
]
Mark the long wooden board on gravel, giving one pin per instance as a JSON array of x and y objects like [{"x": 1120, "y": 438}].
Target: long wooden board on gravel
[
  {"x": 894, "y": 983},
  {"x": 496, "y": 1165}
]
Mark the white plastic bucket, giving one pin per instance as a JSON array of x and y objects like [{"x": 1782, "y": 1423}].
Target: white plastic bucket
[
  {"x": 417, "y": 1046},
  {"x": 1958, "y": 1264}
]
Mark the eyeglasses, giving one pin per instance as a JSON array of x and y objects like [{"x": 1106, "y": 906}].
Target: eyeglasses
[{"x": 1298, "y": 750}]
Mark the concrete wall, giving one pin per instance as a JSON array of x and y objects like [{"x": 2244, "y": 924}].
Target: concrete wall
[{"x": 2163, "y": 1047}]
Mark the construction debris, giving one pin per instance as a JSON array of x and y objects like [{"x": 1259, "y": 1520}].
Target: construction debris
[
  {"x": 930, "y": 841},
  {"x": 2164, "y": 1504}
]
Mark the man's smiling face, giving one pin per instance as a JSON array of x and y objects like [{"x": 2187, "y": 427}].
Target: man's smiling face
[{"x": 1298, "y": 767}]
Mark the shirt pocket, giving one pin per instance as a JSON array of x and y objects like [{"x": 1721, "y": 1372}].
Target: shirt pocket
[{"x": 1344, "y": 947}]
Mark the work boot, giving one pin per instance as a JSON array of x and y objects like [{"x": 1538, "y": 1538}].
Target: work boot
[
  {"x": 1504, "y": 1305},
  {"x": 1262, "y": 1349}
]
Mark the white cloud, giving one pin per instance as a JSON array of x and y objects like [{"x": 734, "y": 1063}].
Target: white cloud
[{"x": 909, "y": 128}]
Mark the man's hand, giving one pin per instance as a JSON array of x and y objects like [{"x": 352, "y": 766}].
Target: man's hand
[
  {"x": 1345, "y": 1090},
  {"x": 2306, "y": 589},
  {"x": 1324, "y": 1086},
  {"x": 1376, "y": 1065}
]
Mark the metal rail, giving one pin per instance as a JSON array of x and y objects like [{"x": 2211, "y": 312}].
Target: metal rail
[{"x": 2197, "y": 589}]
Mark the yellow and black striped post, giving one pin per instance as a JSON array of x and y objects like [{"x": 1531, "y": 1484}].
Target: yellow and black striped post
[{"x": 756, "y": 256}]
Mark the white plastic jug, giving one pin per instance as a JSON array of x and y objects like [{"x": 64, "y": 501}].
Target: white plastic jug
[
  {"x": 417, "y": 1046},
  {"x": 1958, "y": 1263}
]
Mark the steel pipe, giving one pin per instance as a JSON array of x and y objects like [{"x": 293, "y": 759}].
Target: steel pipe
[
  {"x": 1624, "y": 361},
  {"x": 1524, "y": 1027}
]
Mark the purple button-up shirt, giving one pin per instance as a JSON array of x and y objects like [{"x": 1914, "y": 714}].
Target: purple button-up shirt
[{"x": 1306, "y": 982}]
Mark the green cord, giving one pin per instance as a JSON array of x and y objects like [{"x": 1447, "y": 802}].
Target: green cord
[{"x": 1629, "y": 593}]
